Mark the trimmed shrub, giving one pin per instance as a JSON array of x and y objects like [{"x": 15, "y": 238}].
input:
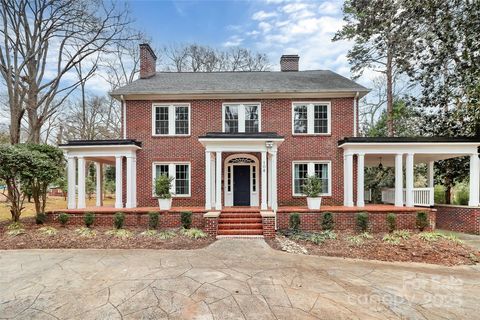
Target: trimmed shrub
[
  {"x": 186, "y": 219},
  {"x": 40, "y": 218},
  {"x": 391, "y": 222},
  {"x": 153, "y": 220},
  {"x": 63, "y": 218},
  {"x": 327, "y": 221},
  {"x": 294, "y": 222},
  {"x": 362, "y": 221},
  {"x": 88, "y": 219},
  {"x": 118, "y": 220},
  {"x": 422, "y": 220}
]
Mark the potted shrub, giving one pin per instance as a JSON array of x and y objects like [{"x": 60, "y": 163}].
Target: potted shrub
[
  {"x": 312, "y": 188},
  {"x": 163, "y": 185}
]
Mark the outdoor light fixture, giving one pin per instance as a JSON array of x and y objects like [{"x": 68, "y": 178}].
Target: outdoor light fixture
[
  {"x": 380, "y": 166},
  {"x": 269, "y": 144}
]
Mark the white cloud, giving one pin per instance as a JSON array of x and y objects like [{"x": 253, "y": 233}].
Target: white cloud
[
  {"x": 233, "y": 41},
  {"x": 330, "y": 8},
  {"x": 262, "y": 15}
]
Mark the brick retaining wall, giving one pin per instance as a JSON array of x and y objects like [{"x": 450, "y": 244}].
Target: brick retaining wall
[{"x": 458, "y": 218}]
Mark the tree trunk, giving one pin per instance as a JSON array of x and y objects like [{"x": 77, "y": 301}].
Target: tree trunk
[
  {"x": 16, "y": 115},
  {"x": 389, "y": 72},
  {"x": 448, "y": 194}
]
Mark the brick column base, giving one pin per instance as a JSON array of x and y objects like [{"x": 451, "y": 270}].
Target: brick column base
[
  {"x": 211, "y": 223},
  {"x": 268, "y": 221}
]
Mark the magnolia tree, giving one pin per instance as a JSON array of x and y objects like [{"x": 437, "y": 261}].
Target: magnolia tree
[{"x": 29, "y": 167}]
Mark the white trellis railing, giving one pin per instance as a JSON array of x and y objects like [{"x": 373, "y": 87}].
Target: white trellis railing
[{"x": 422, "y": 197}]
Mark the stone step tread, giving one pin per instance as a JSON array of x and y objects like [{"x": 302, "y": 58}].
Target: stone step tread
[
  {"x": 239, "y": 220},
  {"x": 234, "y": 226},
  {"x": 240, "y": 232},
  {"x": 240, "y": 215}
]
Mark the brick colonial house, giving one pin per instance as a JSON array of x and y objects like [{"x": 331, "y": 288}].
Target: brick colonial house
[{"x": 249, "y": 139}]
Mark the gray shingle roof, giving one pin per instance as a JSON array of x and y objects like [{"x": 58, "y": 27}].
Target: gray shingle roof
[{"x": 241, "y": 82}]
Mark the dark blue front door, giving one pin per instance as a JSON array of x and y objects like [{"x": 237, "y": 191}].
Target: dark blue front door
[{"x": 241, "y": 185}]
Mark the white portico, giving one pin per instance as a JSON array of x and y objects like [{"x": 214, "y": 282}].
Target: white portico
[
  {"x": 248, "y": 179},
  {"x": 112, "y": 152},
  {"x": 403, "y": 154}
]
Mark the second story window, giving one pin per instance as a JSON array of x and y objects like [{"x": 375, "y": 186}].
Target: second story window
[
  {"x": 241, "y": 118},
  {"x": 311, "y": 118},
  {"x": 170, "y": 120}
]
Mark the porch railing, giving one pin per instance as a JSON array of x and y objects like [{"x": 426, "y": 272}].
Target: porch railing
[
  {"x": 368, "y": 195},
  {"x": 422, "y": 197}
]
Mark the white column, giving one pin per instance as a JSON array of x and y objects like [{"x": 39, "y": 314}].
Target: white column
[
  {"x": 474, "y": 180},
  {"x": 99, "y": 184},
  {"x": 263, "y": 205},
  {"x": 71, "y": 180},
  {"x": 213, "y": 184},
  {"x": 131, "y": 182},
  {"x": 360, "y": 180},
  {"x": 269, "y": 182},
  {"x": 81, "y": 183},
  {"x": 118, "y": 182},
  {"x": 430, "y": 174},
  {"x": 409, "y": 201},
  {"x": 218, "y": 184},
  {"x": 399, "y": 180},
  {"x": 274, "y": 181},
  {"x": 348, "y": 201},
  {"x": 208, "y": 183}
]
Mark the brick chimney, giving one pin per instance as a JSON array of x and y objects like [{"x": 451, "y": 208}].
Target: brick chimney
[
  {"x": 289, "y": 62},
  {"x": 148, "y": 61}
]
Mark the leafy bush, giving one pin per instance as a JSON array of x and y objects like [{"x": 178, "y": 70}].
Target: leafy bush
[
  {"x": 165, "y": 235},
  {"x": 362, "y": 221},
  {"x": 391, "y": 222},
  {"x": 40, "y": 218},
  {"x": 85, "y": 232},
  {"x": 403, "y": 234},
  {"x": 119, "y": 233},
  {"x": 153, "y": 220},
  {"x": 149, "y": 233},
  {"x": 194, "y": 233},
  {"x": 63, "y": 218},
  {"x": 439, "y": 194},
  {"x": 391, "y": 239},
  {"x": 430, "y": 236},
  {"x": 89, "y": 219},
  {"x": 355, "y": 240},
  {"x": 422, "y": 220},
  {"x": 186, "y": 219},
  {"x": 15, "y": 229},
  {"x": 327, "y": 221},
  {"x": 48, "y": 231},
  {"x": 312, "y": 186},
  {"x": 163, "y": 185},
  {"x": 119, "y": 220},
  {"x": 366, "y": 235},
  {"x": 294, "y": 222},
  {"x": 461, "y": 195}
]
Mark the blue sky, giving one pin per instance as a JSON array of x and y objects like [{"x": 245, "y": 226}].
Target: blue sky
[{"x": 273, "y": 27}]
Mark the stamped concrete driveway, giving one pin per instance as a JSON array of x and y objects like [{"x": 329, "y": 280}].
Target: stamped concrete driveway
[{"x": 231, "y": 279}]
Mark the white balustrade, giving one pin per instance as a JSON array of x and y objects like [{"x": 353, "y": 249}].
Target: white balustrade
[{"x": 422, "y": 197}]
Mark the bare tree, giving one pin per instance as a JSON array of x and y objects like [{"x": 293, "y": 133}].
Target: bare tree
[{"x": 42, "y": 41}]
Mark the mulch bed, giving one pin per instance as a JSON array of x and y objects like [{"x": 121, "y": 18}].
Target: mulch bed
[
  {"x": 67, "y": 238},
  {"x": 442, "y": 252}
]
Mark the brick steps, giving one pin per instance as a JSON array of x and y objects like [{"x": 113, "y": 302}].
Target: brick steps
[{"x": 240, "y": 223}]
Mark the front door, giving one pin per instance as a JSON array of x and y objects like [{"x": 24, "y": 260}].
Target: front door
[{"x": 241, "y": 185}]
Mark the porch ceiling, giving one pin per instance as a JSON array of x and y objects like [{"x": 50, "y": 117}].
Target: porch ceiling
[{"x": 388, "y": 160}]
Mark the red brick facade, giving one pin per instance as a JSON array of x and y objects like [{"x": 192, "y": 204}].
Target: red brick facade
[
  {"x": 206, "y": 116},
  {"x": 458, "y": 218}
]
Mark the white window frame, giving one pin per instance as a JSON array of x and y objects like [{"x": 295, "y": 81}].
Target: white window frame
[
  {"x": 172, "y": 173},
  {"x": 310, "y": 172},
  {"x": 241, "y": 114},
  {"x": 311, "y": 117},
  {"x": 171, "y": 119}
]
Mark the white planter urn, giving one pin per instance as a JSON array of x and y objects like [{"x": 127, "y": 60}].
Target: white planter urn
[
  {"x": 165, "y": 204},
  {"x": 314, "y": 203}
]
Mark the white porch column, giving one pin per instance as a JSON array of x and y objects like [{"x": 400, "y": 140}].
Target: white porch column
[
  {"x": 399, "y": 180},
  {"x": 131, "y": 182},
  {"x": 81, "y": 183},
  {"x": 409, "y": 201},
  {"x": 118, "y": 182},
  {"x": 274, "y": 204},
  {"x": 71, "y": 180},
  {"x": 218, "y": 184},
  {"x": 430, "y": 174},
  {"x": 269, "y": 177},
  {"x": 212, "y": 180},
  {"x": 99, "y": 184},
  {"x": 361, "y": 180},
  {"x": 263, "y": 205},
  {"x": 474, "y": 180},
  {"x": 208, "y": 183},
  {"x": 348, "y": 180}
]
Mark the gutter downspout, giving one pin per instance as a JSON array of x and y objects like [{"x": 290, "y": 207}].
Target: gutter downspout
[
  {"x": 355, "y": 106},
  {"x": 124, "y": 116}
]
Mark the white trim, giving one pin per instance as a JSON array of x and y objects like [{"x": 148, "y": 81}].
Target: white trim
[
  {"x": 241, "y": 114},
  {"x": 311, "y": 171},
  {"x": 311, "y": 117},
  {"x": 171, "y": 119},
  {"x": 172, "y": 168},
  {"x": 124, "y": 110},
  {"x": 229, "y": 195}
]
